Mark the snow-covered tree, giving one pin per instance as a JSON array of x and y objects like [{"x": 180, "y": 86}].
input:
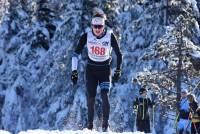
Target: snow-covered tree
[{"x": 175, "y": 51}]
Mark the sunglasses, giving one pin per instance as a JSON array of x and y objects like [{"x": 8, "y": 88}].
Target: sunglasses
[{"x": 97, "y": 26}]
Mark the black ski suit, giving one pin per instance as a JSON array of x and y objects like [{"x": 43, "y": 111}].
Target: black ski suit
[
  {"x": 141, "y": 105},
  {"x": 99, "y": 73}
]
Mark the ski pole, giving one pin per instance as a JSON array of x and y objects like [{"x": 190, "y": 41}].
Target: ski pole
[
  {"x": 136, "y": 110},
  {"x": 153, "y": 116},
  {"x": 188, "y": 121},
  {"x": 176, "y": 121},
  {"x": 195, "y": 127}
]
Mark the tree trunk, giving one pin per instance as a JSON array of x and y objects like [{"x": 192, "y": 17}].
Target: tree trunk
[{"x": 165, "y": 3}]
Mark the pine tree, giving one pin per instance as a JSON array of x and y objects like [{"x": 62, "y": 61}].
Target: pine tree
[
  {"x": 44, "y": 12},
  {"x": 45, "y": 16},
  {"x": 174, "y": 51},
  {"x": 110, "y": 7},
  {"x": 12, "y": 10}
]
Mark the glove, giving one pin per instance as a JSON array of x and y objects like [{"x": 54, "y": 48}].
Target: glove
[
  {"x": 135, "y": 109},
  {"x": 116, "y": 75},
  {"x": 74, "y": 77}
]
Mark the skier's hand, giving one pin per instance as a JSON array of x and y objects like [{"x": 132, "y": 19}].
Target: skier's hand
[
  {"x": 116, "y": 75},
  {"x": 74, "y": 77},
  {"x": 135, "y": 109}
]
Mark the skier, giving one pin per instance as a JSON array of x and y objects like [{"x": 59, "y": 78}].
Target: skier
[
  {"x": 195, "y": 114},
  {"x": 99, "y": 41},
  {"x": 141, "y": 107},
  {"x": 184, "y": 122}
]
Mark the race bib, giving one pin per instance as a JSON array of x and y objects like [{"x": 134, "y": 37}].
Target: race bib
[{"x": 99, "y": 49}]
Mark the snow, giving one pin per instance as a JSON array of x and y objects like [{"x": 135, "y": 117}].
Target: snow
[
  {"x": 170, "y": 127},
  {"x": 139, "y": 41},
  {"x": 22, "y": 14},
  {"x": 4, "y": 132},
  {"x": 85, "y": 131},
  {"x": 196, "y": 54}
]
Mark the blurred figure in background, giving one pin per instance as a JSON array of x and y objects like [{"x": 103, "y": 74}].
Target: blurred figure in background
[
  {"x": 194, "y": 114},
  {"x": 141, "y": 107},
  {"x": 184, "y": 122}
]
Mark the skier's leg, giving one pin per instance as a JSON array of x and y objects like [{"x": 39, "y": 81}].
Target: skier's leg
[
  {"x": 90, "y": 103},
  {"x": 91, "y": 84},
  {"x": 180, "y": 131},
  {"x": 106, "y": 108},
  {"x": 192, "y": 129},
  {"x": 139, "y": 124},
  {"x": 180, "y": 127},
  {"x": 147, "y": 127},
  {"x": 104, "y": 83},
  {"x": 198, "y": 127}
]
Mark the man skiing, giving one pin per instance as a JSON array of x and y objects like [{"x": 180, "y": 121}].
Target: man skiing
[
  {"x": 184, "y": 122},
  {"x": 141, "y": 107},
  {"x": 99, "y": 42}
]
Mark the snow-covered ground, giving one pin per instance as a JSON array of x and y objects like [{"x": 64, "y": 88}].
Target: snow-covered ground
[
  {"x": 85, "y": 131},
  {"x": 4, "y": 132}
]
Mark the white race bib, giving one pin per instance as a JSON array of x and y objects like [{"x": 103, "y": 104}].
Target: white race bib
[{"x": 99, "y": 49}]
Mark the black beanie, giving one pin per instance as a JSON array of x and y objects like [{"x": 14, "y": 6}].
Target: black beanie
[{"x": 142, "y": 90}]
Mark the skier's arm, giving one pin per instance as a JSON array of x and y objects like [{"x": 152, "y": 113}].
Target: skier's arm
[
  {"x": 117, "y": 51},
  {"x": 78, "y": 51}
]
